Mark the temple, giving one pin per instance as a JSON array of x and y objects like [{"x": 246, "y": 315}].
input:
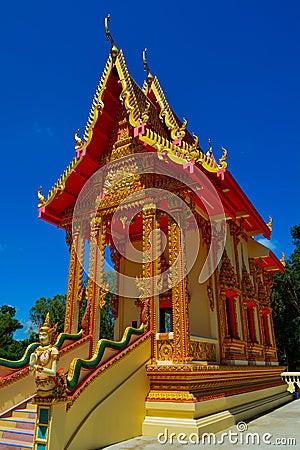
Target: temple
[{"x": 194, "y": 347}]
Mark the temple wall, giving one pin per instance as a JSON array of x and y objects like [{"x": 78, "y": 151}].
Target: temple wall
[{"x": 199, "y": 310}]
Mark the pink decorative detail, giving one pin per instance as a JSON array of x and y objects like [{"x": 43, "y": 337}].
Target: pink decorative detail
[
  {"x": 41, "y": 210},
  {"x": 177, "y": 142},
  {"x": 189, "y": 165},
  {"x": 80, "y": 152},
  {"x": 221, "y": 173},
  {"x": 139, "y": 130}
]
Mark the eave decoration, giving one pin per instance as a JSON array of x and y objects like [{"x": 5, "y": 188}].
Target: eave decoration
[{"x": 171, "y": 140}]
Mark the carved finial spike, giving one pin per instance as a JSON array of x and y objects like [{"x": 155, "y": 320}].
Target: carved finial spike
[
  {"x": 145, "y": 114},
  {"x": 41, "y": 198},
  {"x": 78, "y": 140},
  {"x": 270, "y": 223},
  {"x": 196, "y": 141},
  {"x": 183, "y": 126},
  {"x": 223, "y": 159},
  {"x": 282, "y": 259},
  {"x": 209, "y": 153},
  {"x": 146, "y": 67},
  {"x": 106, "y": 20},
  {"x": 114, "y": 50}
]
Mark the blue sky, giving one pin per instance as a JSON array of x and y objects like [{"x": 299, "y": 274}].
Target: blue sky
[{"x": 231, "y": 68}]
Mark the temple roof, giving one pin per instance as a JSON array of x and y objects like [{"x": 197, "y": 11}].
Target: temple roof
[{"x": 153, "y": 124}]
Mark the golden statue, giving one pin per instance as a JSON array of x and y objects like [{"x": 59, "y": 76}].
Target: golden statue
[{"x": 49, "y": 381}]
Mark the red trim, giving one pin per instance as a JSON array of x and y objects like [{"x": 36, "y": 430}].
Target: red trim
[
  {"x": 231, "y": 318},
  {"x": 271, "y": 262},
  {"x": 266, "y": 329}
]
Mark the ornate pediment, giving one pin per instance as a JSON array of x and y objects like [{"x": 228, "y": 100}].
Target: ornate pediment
[
  {"x": 247, "y": 286},
  {"x": 227, "y": 276}
]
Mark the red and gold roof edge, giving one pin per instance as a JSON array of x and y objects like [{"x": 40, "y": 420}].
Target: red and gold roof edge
[
  {"x": 179, "y": 151},
  {"x": 135, "y": 115}
]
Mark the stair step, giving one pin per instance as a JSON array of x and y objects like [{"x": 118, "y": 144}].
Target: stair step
[
  {"x": 16, "y": 422},
  {"x": 25, "y": 413},
  {"x": 6, "y": 444},
  {"x": 31, "y": 406},
  {"x": 16, "y": 434}
]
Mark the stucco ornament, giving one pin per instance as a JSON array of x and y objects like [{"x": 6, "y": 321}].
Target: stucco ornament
[{"x": 50, "y": 382}]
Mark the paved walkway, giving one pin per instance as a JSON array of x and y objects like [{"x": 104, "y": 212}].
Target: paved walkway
[{"x": 278, "y": 429}]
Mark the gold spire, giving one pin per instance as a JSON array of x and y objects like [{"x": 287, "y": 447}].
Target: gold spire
[
  {"x": 146, "y": 68},
  {"x": 46, "y": 327},
  {"x": 269, "y": 224},
  {"x": 114, "y": 49},
  {"x": 210, "y": 148},
  {"x": 282, "y": 259}
]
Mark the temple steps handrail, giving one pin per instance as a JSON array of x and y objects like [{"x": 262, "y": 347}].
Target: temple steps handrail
[
  {"x": 8, "y": 366},
  {"x": 19, "y": 384},
  {"x": 292, "y": 379},
  {"x": 290, "y": 376},
  {"x": 76, "y": 375}
]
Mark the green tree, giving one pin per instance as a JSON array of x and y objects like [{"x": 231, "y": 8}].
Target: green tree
[
  {"x": 56, "y": 307},
  {"x": 106, "y": 316},
  {"x": 285, "y": 300},
  {"x": 10, "y": 348}
]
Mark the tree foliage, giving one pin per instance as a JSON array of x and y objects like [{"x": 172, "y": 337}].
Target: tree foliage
[
  {"x": 10, "y": 348},
  {"x": 285, "y": 300},
  {"x": 56, "y": 307}
]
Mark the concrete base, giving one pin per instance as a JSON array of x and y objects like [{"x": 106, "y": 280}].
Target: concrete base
[{"x": 210, "y": 416}]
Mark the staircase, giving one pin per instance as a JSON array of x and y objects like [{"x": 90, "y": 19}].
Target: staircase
[{"x": 17, "y": 429}]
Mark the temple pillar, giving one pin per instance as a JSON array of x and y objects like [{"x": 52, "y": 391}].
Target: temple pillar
[
  {"x": 95, "y": 290},
  {"x": 179, "y": 294},
  {"x": 49, "y": 432},
  {"x": 75, "y": 287},
  {"x": 151, "y": 268}
]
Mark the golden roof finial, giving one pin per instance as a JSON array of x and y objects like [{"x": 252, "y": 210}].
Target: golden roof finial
[
  {"x": 195, "y": 150},
  {"x": 41, "y": 198},
  {"x": 209, "y": 153},
  {"x": 146, "y": 67},
  {"x": 223, "y": 159},
  {"x": 114, "y": 49},
  {"x": 282, "y": 259},
  {"x": 78, "y": 140},
  {"x": 183, "y": 126},
  {"x": 145, "y": 114},
  {"x": 269, "y": 224}
]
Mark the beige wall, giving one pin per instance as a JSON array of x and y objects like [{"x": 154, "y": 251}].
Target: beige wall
[
  {"x": 112, "y": 407},
  {"x": 203, "y": 321}
]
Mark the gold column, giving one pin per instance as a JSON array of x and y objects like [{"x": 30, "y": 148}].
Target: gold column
[
  {"x": 151, "y": 267},
  {"x": 95, "y": 291},
  {"x": 74, "y": 294},
  {"x": 179, "y": 294}
]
